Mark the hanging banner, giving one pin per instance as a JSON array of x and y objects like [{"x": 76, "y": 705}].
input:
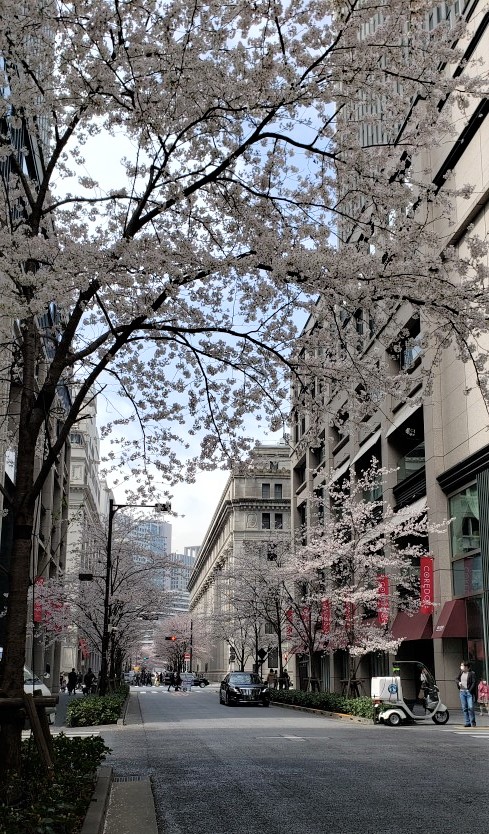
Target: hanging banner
[
  {"x": 83, "y": 648},
  {"x": 382, "y": 599},
  {"x": 288, "y": 628},
  {"x": 349, "y": 614},
  {"x": 325, "y": 616},
  {"x": 427, "y": 590},
  {"x": 37, "y": 608}
]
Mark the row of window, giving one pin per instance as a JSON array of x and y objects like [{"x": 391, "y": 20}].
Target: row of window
[
  {"x": 266, "y": 490},
  {"x": 272, "y": 521}
]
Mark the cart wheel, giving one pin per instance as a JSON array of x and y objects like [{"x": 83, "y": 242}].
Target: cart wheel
[
  {"x": 394, "y": 719},
  {"x": 441, "y": 717}
]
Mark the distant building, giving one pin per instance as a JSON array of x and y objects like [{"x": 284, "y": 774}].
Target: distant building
[
  {"x": 87, "y": 528},
  {"x": 253, "y": 504},
  {"x": 177, "y": 579}
]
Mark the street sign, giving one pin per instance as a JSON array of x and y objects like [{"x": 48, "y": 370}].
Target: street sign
[{"x": 186, "y": 656}]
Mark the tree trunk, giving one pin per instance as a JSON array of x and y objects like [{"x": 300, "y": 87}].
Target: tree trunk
[{"x": 12, "y": 666}]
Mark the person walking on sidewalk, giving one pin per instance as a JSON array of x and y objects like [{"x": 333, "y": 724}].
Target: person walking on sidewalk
[
  {"x": 172, "y": 681},
  {"x": 467, "y": 686},
  {"x": 72, "y": 681},
  {"x": 483, "y": 697}
]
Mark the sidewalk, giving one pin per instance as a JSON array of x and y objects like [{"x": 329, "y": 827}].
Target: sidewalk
[{"x": 119, "y": 805}]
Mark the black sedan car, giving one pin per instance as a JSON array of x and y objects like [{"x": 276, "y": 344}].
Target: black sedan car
[
  {"x": 197, "y": 680},
  {"x": 243, "y": 688}
]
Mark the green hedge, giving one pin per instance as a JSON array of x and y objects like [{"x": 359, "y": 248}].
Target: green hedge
[
  {"x": 93, "y": 710},
  {"x": 330, "y": 701},
  {"x": 36, "y": 805}
]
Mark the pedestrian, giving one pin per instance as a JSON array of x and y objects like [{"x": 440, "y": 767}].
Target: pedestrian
[
  {"x": 161, "y": 678},
  {"x": 178, "y": 681},
  {"x": 72, "y": 681},
  {"x": 286, "y": 679},
  {"x": 88, "y": 681},
  {"x": 272, "y": 679},
  {"x": 172, "y": 681},
  {"x": 467, "y": 686},
  {"x": 483, "y": 697}
]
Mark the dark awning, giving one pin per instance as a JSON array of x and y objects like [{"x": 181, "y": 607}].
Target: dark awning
[
  {"x": 452, "y": 621},
  {"x": 412, "y": 626}
]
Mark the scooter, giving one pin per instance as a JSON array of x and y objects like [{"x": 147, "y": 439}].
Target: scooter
[{"x": 409, "y": 695}]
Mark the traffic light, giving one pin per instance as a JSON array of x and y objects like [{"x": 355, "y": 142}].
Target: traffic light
[{"x": 173, "y": 638}]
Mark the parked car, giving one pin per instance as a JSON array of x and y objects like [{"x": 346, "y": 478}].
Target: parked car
[
  {"x": 195, "y": 680},
  {"x": 34, "y": 685},
  {"x": 244, "y": 688}
]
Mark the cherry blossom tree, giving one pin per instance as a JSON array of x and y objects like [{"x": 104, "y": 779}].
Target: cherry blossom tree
[
  {"x": 179, "y": 272},
  {"x": 236, "y": 619},
  {"x": 255, "y": 598},
  {"x": 357, "y": 568},
  {"x": 173, "y": 640}
]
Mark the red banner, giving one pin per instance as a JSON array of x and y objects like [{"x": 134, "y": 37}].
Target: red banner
[
  {"x": 382, "y": 599},
  {"x": 290, "y": 617},
  {"x": 37, "y": 608},
  {"x": 83, "y": 647},
  {"x": 427, "y": 589},
  {"x": 349, "y": 614},
  {"x": 325, "y": 616}
]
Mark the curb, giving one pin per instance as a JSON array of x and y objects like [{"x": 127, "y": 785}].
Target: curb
[
  {"x": 95, "y": 817},
  {"x": 356, "y": 719}
]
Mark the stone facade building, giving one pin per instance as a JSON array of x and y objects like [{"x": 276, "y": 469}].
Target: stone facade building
[{"x": 253, "y": 506}]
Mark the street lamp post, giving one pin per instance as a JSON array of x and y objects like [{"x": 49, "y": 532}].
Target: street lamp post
[{"x": 104, "y": 676}]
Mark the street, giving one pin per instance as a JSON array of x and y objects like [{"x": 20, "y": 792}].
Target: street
[{"x": 241, "y": 770}]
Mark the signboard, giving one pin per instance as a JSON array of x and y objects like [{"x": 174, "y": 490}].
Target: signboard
[
  {"x": 426, "y": 579},
  {"x": 382, "y": 599},
  {"x": 325, "y": 616},
  {"x": 186, "y": 656},
  {"x": 38, "y": 608}
]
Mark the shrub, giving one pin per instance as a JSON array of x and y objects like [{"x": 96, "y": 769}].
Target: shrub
[
  {"x": 95, "y": 709},
  {"x": 329, "y": 701},
  {"x": 38, "y": 805}
]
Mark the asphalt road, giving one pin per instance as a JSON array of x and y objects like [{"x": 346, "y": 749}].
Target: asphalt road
[{"x": 248, "y": 770}]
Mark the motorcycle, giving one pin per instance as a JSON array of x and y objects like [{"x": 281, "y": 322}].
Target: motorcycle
[{"x": 409, "y": 695}]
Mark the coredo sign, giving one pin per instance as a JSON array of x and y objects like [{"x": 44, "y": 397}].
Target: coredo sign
[
  {"x": 383, "y": 599},
  {"x": 427, "y": 594}
]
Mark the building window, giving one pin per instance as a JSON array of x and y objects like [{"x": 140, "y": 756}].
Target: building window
[
  {"x": 265, "y": 490},
  {"x": 464, "y": 529},
  {"x": 465, "y": 539},
  {"x": 277, "y": 490},
  {"x": 467, "y": 576},
  {"x": 279, "y": 521},
  {"x": 265, "y": 521}
]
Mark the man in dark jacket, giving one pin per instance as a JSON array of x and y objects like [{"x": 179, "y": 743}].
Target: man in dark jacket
[
  {"x": 72, "y": 681},
  {"x": 467, "y": 685}
]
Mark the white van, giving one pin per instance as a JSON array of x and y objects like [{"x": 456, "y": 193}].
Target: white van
[{"x": 33, "y": 684}]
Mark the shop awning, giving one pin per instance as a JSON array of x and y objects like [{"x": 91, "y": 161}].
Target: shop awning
[
  {"x": 452, "y": 621},
  {"x": 412, "y": 626}
]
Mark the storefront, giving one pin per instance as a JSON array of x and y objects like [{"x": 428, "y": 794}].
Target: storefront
[{"x": 466, "y": 486}]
